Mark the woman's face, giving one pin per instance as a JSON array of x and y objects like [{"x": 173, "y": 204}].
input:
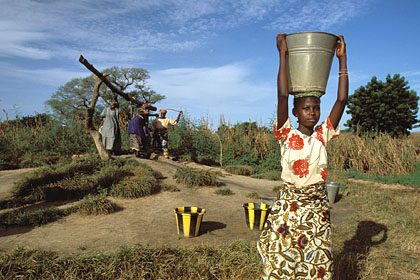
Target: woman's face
[{"x": 307, "y": 111}]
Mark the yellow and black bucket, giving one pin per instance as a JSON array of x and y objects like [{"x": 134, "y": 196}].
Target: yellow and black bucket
[
  {"x": 256, "y": 214},
  {"x": 188, "y": 220}
]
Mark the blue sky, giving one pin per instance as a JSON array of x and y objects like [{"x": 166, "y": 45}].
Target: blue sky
[{"x": 209, "y": 57}]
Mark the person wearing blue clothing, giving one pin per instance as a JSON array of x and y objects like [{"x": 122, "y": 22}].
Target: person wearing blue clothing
[{"x": 139, "y": 132}]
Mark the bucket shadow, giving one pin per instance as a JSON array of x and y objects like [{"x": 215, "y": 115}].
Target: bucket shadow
[
  {"x": 210, "y": 226},
  {"x": 357, "y": 248}
]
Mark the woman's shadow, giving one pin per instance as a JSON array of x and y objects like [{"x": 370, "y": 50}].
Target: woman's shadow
[{"x": 357, "y": 248}]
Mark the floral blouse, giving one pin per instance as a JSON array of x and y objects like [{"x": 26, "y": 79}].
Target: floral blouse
[{"x": 304, "y": 158}]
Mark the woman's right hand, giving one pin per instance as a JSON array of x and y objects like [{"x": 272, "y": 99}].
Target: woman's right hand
[{"x": 281, "y": 42}]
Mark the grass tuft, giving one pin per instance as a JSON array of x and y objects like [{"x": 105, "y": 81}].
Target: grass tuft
[
  {"x": 195, "y": 177},
  {"x": 240, "y": 170},
  {"x": 224, "y": 191},
  {"x": 95, "y": 205},
  {"x": 145, "y": 181},
  {"x": 253, "y": 195}
]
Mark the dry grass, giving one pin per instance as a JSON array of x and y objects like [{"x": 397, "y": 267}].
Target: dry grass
[
  {"x": 237, "y": 260},
  {"x": 195, "y": 177},
  {"x": 95, "y": 205},
  {"x": 144, "y": 182},
  {"x": 380, "y": 155},
  {"x": 382, "y": 241},
  {"x": 240, "y": 170}
]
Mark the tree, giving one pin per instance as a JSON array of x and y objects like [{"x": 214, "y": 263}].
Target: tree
[
  {"x": 384, "y": 107},
  {"x": 72, "y": 99}
]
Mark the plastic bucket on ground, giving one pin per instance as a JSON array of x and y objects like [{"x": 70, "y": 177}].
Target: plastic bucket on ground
[
  {"x": 256, "y": 214},
  {"x": 332, "y": 190},
  {"x": 188, "y": 220},
  {"x": 309, "y": 60}
]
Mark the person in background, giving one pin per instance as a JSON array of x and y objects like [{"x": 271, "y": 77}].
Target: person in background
[
  {"x": 139, "y": 132},
  {"x": 110, "y": 130},
  {"x": 160, "y": 132}
]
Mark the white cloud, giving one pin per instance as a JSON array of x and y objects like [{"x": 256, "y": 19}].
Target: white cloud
[
  {"x": 38, "y": 29},
  {"x": 227, "y": 90},
  {"x": 50, "y": 77}
]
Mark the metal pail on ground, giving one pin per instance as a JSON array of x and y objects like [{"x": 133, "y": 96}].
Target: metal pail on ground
[
  {"x": 332, "y": 190},
  {"x": 256, "y": 214},
  {"x": 188, "y": 220},
  {"x": 309, "y": 60}
]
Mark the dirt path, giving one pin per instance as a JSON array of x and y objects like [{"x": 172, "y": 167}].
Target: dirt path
[{"x": 151, "y": 220}]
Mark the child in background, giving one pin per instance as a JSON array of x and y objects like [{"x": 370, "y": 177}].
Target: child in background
[{"x": 296, "y": 240}]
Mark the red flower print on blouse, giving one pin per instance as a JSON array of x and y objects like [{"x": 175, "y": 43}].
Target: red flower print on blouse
[
  {"x": 296, "y": 142},
  {"x": 324, "y": 174},
  {"x": 300, "y": 167},
  {"x": 294, "y": 206},
  {"x": 283, "y": 230},
  {"x": 329, "y": 124},
  {"x": 319, "y": 133},
  {"x": 280, "y": 134},
  {"x": 302, "y": 241},
  {"x": 321, "y": 272}
]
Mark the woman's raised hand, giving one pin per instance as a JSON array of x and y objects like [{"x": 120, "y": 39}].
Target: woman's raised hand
[
  {"x": 281, "y": 42},
  {"x": 341, "y": 47}
]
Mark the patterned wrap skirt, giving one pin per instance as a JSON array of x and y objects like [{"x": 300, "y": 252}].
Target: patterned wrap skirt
[
  {"x": 136, "y": 142},
  {"x": 296, "y": 239}
]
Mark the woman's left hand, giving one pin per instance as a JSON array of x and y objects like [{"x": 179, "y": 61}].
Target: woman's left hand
[{"x": 341, "y": 47}]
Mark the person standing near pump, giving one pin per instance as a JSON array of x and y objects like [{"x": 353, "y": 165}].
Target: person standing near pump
[
  {"x": 139, "y": 132},
  {"x": 296, "y": 239},
  {"x": 160, "y": 134},
  {"x": 110, "y": 130}
]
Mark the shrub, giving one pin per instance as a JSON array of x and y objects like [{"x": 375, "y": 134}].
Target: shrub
[
  {"x": 95, "y": 205},
  {"x": 253, "y": 195},
  {"x": 195, "y": 177},
  {"x": 240, "y": 170},
  {"x": 224, "y": 191},
  {"x": 20, "y": 217},
  {"x": 39, "y": 140},
  {"x": 143, "y": 182}
]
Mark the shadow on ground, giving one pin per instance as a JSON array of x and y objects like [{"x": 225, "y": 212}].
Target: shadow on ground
[{"x": 346, "y": 264}]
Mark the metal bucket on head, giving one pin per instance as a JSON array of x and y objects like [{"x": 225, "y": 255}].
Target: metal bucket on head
[{"x": 309, "y": 60}]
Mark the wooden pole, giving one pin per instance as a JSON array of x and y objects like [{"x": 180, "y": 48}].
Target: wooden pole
[{"x": 110, "y": 85}]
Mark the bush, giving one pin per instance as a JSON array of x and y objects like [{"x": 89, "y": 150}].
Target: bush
[
  {"x": 224, "y": 191},
  {"x": 253, "y": 195},
  {"x": 19, "y": 217},
  {"x": 240, "y": 170},
  {"x": 143, "y": 182},
  {"x": 195, "y": 177},
  {"x": 39, "y": 140},
  {"x": 71, "y": 180},
  {"x": 95, "y": 205}
]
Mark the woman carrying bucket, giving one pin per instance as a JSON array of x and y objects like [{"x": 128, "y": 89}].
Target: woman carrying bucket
[{"x": 296, "y": 239}]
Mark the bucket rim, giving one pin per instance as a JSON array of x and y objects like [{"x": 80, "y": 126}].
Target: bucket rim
[
  {"x": 267, "y": 206},
  {"x": 200, "y": 210},
  {"x": 307, "y": 32}
]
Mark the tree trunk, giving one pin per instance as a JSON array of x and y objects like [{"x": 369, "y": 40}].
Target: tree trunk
[{"x": 96, "y": 136}]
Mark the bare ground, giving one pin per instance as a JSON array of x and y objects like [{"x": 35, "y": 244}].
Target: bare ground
[{"x": 150, "y": 220}]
